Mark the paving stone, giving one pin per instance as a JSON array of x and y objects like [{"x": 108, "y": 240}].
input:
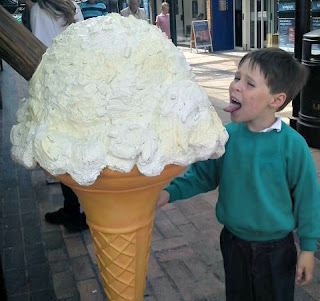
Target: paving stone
[
  {"x": 82, "y": 269},
  {"x": 177, "y": 217},
  {"x": 194, "y": 206},
  {"x": 179, "y": 273},
  {"x": 156, "y": 235},
  {"x": 35, "y": 254},
  {"x": 90, "y": 291},
  {"x": 16, "y": 282},
  {"x": 20, "y": 297},
  {"x": 1, "y": 238},
  {"x": 64, "y": 285},
  {"x": 168, "y": 243},
  {"x": 68, "y": 234},
  {"x": 148, "y": 290},
  {"x": 167, "y": 228},
  {"x": 11, "y": 204},
  {"x": 11, "y": 221},
  {"x": 10, "y": 181},
  {"x": 13, "y": 238},
  {"x": 201, "y": 290},
  {"x": 32, "y": 235},
  {"x": 30, "y": 219},
  {"x": 57, "y": 254},
  {"x": 25, "y": 188},
  {"x": 39, "y": 277},
  {"x": 204, "y": 221},
  {"x": 87, "y": 238},
  {"x": 164, "y": 290},
  {"x": 74, "y": 298},
  {"x": 301, "y": 295},
  {"x": 197, "y": 267},
  {"x": 46, "y": 295},
  {"x": 60, "y": 266},
  {"x": 92, "y": 253},
  {"x": 75, "y": 246},
  {"x": 28, "y": 205},
  {"x": 2, "y": 206},
  {"x": 154, "y": 270},
  {"x": 149, "y": 298},
  {"x": 13, "y": 258},
  {"x": 53, "y": 240},
  {"x": 189, "y": 232},
  {"x": 182, "y": 253}
]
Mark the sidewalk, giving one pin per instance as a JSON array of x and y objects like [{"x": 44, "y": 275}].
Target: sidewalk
[{"x": 43, "y": 262}]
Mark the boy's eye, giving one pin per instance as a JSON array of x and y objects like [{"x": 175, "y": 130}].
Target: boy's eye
[
  {"x": 251, "y": 84},
  {"x": 236, "y": 78}
]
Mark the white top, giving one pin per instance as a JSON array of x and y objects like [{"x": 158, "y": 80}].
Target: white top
[
  {"x": 45, "y": 27},
  {"x": 276, "y": 126},
  {"x": 140, "y": 14}
]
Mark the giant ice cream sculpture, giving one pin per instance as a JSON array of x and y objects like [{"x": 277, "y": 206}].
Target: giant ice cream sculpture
[{"x": 114, "y": 112}]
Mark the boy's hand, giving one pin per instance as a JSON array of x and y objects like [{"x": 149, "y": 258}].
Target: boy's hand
[
  {"x": 305, "y": 267},
  {"x": 163, "y": 199}
]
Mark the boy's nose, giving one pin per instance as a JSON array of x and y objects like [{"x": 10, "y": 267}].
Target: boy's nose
[{"x": 238, "y": 85}]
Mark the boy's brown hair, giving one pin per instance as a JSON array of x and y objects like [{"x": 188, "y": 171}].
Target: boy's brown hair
[{"x": 282, "y": 72}]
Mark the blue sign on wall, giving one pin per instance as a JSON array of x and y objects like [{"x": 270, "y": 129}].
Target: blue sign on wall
[
  {"x": 286, "y": 34},
  {"x": 287, "y": 6},
  {"x": 315, "y": 5}
]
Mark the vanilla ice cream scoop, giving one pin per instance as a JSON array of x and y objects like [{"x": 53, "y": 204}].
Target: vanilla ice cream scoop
[{"x": 114, "y": 92}]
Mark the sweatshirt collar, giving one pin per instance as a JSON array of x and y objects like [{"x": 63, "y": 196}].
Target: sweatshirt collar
[{"x": 276, "y": 126}]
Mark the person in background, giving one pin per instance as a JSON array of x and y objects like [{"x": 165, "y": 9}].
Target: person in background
[
  {"x": 268, "y": 185},
  {"x": 48, "y": 18},
  {"x": 93, "y": 8},
  {"x": 134, "y": 10},
  {"x": 163, "y": 20}
]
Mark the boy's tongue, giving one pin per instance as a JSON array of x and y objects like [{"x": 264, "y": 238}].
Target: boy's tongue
[{"x": 232, "y": 107}]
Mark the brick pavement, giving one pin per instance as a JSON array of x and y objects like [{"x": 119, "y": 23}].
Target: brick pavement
[{"x": 44, "y": 262}]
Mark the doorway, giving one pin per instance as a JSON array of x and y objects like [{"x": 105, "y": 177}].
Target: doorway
[
  {"x": 260, "y": 22},
  {"x": 238, "y": 16}
]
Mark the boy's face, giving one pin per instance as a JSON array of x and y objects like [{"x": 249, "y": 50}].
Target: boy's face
[{"x": 250, "y": 99}]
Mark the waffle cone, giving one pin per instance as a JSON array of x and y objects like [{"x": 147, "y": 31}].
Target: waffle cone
[{"x": 120, "y": 211}]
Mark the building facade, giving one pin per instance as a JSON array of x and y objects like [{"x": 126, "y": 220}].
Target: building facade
[{"x": 239, "y": 24}]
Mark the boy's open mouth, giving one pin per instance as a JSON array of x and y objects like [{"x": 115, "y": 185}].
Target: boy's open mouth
[{"x": 233, "y": 106}]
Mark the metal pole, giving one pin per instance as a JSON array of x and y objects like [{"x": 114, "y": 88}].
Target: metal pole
[
  {"x": 173, "y": 27},
  {"x": 302, "y": 26}
]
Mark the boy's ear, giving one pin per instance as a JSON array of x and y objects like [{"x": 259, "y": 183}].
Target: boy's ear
[{"x": 278, "y": 100}]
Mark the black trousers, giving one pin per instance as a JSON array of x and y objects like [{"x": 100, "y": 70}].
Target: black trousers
[
  {"x": 258, "y": 271},
  {"x": 71, "y": 202}
]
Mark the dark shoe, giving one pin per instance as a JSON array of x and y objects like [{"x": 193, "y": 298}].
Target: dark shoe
[
  {"x": 77, "y": 223},
  {"x": 59, "y": 217}
]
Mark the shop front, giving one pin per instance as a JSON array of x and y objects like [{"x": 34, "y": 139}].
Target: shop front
[
  {"x": 234, "y": 24},
  {"x": 256, "y": 24},
  {"x": 186, "y": 11}
]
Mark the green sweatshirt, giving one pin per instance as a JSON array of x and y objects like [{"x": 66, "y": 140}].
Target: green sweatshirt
[{"x": 267, "y": 182}]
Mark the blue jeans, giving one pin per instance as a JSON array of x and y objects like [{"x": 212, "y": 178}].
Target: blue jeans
[{"x": 258, "y": 271}]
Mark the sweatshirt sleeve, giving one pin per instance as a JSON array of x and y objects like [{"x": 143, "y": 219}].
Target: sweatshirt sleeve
[
  {"x": 201, "y": 177},
  {"x": 305, "y": 191}
]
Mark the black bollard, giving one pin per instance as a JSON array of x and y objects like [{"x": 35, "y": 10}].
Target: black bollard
[{"x": 308, "y": 124}]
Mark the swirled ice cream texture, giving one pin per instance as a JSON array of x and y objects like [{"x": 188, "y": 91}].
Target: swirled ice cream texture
[{"x": 114, "y": 92}]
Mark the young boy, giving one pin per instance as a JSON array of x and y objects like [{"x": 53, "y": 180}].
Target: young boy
[{"x": 267, "y": 182}]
